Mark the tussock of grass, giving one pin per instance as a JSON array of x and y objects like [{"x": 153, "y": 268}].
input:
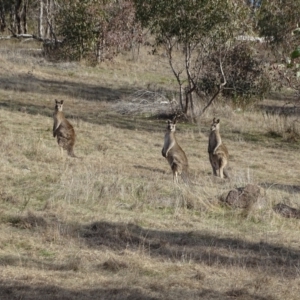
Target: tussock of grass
[{"x": 112, "y": 225}]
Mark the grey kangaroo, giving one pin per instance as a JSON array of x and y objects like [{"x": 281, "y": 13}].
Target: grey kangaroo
[
  {"x": 63, "y": 130},
  {"x": 218, "y": 153},
  {"x": 174, "y": 154}
]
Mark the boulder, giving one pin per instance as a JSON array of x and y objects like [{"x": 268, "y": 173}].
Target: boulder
[{"x": 244, "y": 197}]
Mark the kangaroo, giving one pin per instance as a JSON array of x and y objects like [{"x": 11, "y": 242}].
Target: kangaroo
[
  {"x": 174, "y": 154},
  {"x": 218, "y": 153},
  {"x": 63, "y": 130}
]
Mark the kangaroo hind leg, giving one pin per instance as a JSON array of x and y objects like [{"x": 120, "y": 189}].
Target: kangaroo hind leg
[{"x": 222, "y": 171}]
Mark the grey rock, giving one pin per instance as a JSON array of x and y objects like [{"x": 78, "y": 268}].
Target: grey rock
[{"x": 245, "y": 197}]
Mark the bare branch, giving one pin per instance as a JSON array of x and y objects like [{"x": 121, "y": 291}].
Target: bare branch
[
  {"x": 169, "y": 48},
  {"x": 220, "y": 87}
]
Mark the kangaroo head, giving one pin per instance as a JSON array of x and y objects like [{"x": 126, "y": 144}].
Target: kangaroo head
[
  {"x": 171, "y": 125},
  {"x": 59, "y": 105},
  {"x": 215, "y": 125}
]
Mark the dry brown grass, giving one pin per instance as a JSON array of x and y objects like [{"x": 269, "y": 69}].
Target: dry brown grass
[{"x": 112, "y": 225}]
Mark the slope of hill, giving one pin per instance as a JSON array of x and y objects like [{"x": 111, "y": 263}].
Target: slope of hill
[{"x": 112, "y": 225}]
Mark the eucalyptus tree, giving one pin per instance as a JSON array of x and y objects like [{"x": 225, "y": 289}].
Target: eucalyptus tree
[
  {"x": 204, "y": 31},
  {"x": 278, "y": 22}
]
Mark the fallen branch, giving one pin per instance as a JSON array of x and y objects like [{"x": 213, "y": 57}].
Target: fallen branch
[{"x": 28, "y": 36}]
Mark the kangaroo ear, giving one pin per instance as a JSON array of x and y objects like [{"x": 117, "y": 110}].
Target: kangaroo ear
[
  {"x": 62, "y": 102},
  {"x": 169, "y": 121},
  {"x": 56, "y": 101},
  {"x": 218, "y": 121},
  {"x": 214, "y": 120}
]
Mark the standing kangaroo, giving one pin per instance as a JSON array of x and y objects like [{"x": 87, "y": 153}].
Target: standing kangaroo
[
  {"x": 218, "y": 153},
  {"x": 63, "y": 130},
  {"x": 174, "y": 154}
]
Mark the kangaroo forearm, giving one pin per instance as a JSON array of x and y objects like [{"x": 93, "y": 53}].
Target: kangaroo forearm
[
  {"x": 170, "y": 147},
  {"x": 218, "y": 145},
  {"x": 55, "y": 127}
]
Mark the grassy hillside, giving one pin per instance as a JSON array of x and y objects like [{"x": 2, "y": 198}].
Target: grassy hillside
[{"x": 112, "y": 225}]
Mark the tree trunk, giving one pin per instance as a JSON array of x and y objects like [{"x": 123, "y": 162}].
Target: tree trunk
[
  {"x": 189, "y": 96},
  {"x": 191, "y": 85},
  {"x": 192, "y": 106},
  {"x": 181, "y": 97},
  {"x": 24, "y": 16},
  {"x": 18, "y": 7},
  {"x": 49, "y": 33},
  {"x": 186, "y": 109},
  {"x": 12, "y": 18},
  {"x": 100, "y": 47},
  {"x": 48, "y": 20},
  {"x": 41, "y": 27}
]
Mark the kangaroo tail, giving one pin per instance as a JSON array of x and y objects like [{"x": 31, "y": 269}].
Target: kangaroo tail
[
  {"x": 186, "y": 177},
  {"x": 225, "y": 172}
]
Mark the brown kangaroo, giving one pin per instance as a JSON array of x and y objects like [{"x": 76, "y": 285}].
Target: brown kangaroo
[
  {"x": 218, "y": 153},
  {"x": 63, "y": 130},
  {"x": 174, "y": 154}
]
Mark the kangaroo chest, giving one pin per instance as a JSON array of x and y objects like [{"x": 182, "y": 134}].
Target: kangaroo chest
[
  {"x": 169, "y": 141},
  {"x": 59, "y": 117}
]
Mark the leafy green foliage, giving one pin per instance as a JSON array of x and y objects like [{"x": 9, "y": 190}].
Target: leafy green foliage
[
  {"x": 277, "y": 19},
  {"x": 96, "y": 29},
  {"x": 189, "y": 21},
  {"x": 77, "y": 26},
  {"x": 296, "y": 53}
]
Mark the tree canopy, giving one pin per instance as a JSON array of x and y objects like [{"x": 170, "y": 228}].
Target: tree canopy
[
  {"x": 205, "y": 30},
  {"x": 278, "y": 22}
]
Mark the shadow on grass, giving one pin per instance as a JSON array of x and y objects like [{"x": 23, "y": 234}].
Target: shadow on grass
[
  {"x": 18, "y": 290},
  {"x": 195, "y": 246},
  {"x": 95, "y": 117},
  {"x": 32, "y": 84},
  {"x": 32, "y": 109},
  {"x": 280, "y": 110},
  {"x": 11, "y": 260},
  {"x": 125, "y": 122}
]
